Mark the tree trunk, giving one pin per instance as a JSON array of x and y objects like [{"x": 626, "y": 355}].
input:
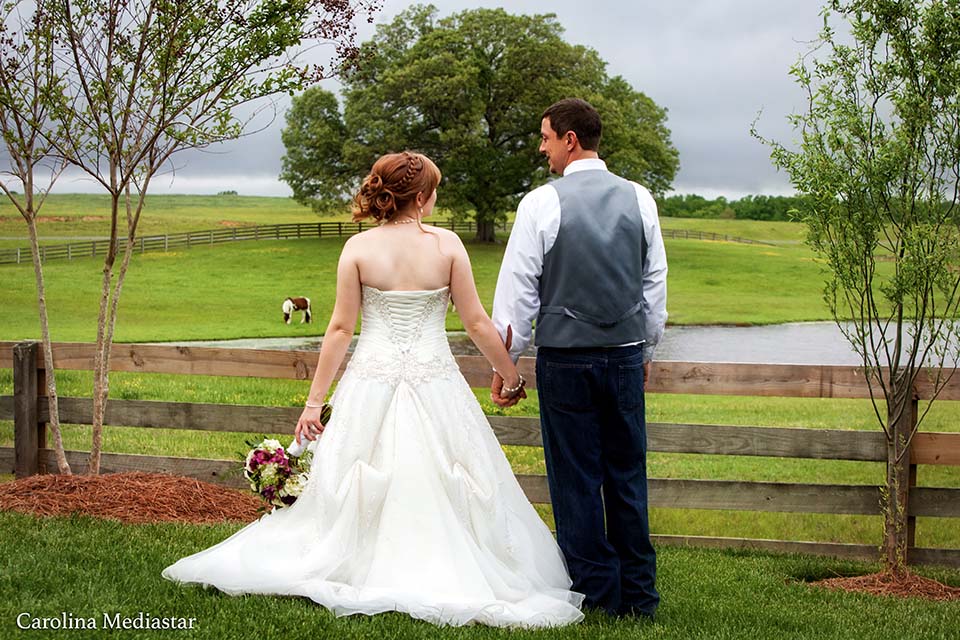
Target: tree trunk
[
  {"x": 486, "y": 230},
  {"x": 101, "y": 379},
  {"x": 897, "y": 490},
  {"x": 62, "y": 465}
]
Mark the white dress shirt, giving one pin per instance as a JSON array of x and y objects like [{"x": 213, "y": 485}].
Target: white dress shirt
[{"x": 516, "y": 301}]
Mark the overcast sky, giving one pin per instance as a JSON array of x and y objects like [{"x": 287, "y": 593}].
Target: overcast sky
[{"x": 714, "y": 64}]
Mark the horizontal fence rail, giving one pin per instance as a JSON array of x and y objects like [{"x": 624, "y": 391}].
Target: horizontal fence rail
[
  {"x": 687, "y": 234},
  {"x": 286, "y": 231},
  {"x": 32, "y": 412},
  {"x": 744, "y": 379}
]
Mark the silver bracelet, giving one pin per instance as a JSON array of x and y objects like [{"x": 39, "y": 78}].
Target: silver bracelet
[
  {"x": 516, "y": 388},
  {"x": 313, "y": 406}
]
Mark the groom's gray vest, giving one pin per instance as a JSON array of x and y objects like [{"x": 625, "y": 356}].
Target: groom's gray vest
[{"x": 591, "y": 288}]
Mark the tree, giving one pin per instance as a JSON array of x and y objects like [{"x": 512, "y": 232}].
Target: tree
[
  {"x": 878, "y": 160},
  {"x": 28, "y": 84},
  {"x": 313, "y": 165},
  {"x": 145, "y": 79},
  {"x": 468, "y": 91}
]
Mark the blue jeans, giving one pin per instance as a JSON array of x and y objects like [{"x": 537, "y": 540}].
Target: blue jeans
[{"x": 595, "y": 444}]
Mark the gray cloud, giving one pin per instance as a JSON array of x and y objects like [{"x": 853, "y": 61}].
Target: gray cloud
[{"x": 714, "y": 64}]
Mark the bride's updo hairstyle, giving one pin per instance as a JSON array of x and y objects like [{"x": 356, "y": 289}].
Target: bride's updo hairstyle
[{"x": 393, "y": 183}]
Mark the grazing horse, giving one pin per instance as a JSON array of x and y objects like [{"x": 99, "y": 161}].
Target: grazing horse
[{"x": 296, "y": 304}]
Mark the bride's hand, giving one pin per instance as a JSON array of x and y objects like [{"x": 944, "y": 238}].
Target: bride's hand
[{"x": 309, "y": 424}]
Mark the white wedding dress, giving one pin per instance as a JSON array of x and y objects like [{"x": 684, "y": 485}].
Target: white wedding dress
[{"x": 411, "y": 504}]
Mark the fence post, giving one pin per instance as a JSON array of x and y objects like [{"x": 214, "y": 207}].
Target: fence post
[
  {"x": 18, "y": 255},
  {"x": 911, "y": 479},
  {"x": 319, "y": 229},
  {"x": 29, "y": 433}
]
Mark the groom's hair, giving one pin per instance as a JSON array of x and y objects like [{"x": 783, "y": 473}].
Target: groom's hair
[{"x": 579, "y": 116}]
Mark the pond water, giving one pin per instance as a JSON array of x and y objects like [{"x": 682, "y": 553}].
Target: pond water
[{"x": 792, "y": 343}]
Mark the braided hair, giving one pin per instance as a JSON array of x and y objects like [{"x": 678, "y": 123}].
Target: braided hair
[{"x": 393, "y": 183}]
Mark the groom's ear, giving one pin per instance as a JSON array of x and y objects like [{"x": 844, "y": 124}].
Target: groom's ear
[{"x": 570, "y": 137}]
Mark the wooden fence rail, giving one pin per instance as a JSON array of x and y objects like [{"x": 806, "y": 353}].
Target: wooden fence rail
[
  {"x": 29, "y": 409},
  {"x": 288, "y": 231}
]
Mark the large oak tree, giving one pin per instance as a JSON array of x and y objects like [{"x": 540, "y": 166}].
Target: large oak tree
[{"x": 468, "y": 91}]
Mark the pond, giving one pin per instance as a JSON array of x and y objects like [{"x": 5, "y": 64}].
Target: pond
[{"x": 792, "y": 343}]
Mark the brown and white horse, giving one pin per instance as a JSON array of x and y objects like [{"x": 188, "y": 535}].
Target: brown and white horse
[{"x": 296, "y": 304}]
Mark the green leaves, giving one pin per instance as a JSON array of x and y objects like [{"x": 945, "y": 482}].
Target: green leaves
[
  {"x": 878, "y": 164},
  {"x": 313, "y": 165},
  {"x": 468, "y": 90}
]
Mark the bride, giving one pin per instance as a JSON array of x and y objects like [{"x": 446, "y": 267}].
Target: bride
[{"x": 411, "y": 504}]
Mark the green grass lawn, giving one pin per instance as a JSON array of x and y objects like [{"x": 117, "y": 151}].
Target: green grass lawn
[
  {"x": 88, "y": 215},
  {"x": 235, "y": 290},
  {"x": 769, "y": 231},
  {"x": 90, "y": 567}
]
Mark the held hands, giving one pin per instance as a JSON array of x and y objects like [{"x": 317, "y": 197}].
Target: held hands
[{"x": 512, "y": 395}]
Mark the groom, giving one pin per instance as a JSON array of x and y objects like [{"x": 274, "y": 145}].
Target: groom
[{"x": 586, "y": 260}]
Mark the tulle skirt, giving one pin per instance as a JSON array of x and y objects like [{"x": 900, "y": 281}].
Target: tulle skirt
[{"x": 411, "y": 506}]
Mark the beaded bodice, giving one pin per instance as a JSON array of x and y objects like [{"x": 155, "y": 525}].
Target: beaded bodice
[{"x": 403, "y": 336}]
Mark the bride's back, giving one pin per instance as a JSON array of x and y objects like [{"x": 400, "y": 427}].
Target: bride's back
[{"x": 403, "y": 257}]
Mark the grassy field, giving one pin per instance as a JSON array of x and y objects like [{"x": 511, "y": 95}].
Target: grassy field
[
  {"x": 91, "y": 567},
  {"x": 88, "y": 567},
  {"x": 73, "y": 215},
  {"x": 235, "y": 290}
]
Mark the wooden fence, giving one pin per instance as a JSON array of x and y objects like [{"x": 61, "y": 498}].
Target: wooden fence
[
  {"x": 167, "y": 242},
  {"x": 170, "y": 241},
  {"x": 30, "y": 455}
]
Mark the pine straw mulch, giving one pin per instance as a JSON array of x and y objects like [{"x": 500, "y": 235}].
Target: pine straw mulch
[
  {"x": 909, "y": 585},
  {"x": 131, "y": 497}
]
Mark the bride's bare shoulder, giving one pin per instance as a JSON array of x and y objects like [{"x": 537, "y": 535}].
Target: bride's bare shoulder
[{"x": 445, "y": 234}]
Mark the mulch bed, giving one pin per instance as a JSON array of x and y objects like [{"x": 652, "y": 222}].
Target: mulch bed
[
  {"x": 886, "y": 584},
  {"x": 131, "y": 497}
]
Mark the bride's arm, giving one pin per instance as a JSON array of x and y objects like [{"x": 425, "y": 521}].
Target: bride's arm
[
  {"x": 474, "y": 317},
  {"x": 336, "y": 340}
]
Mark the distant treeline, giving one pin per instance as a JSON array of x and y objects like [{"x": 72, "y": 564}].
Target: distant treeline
[{"x": 746, "y": 208}]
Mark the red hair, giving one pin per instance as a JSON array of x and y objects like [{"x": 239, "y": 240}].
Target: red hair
[{"x": 393, "y": 183}]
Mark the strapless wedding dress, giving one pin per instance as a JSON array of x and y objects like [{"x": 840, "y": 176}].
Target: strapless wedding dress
[{"x": 411, "y": 504}]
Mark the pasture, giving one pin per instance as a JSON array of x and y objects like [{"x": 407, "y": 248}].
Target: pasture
[{"x": 235, "y": 291}]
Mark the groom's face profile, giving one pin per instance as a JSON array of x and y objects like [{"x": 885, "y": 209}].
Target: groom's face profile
[{"x": 556, "y": 148}]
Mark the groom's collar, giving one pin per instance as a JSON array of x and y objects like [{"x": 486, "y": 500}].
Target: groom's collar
[{"x": 588, "y": 164}]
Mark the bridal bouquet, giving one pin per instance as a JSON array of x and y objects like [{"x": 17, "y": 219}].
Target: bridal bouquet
[
  {"x": 280, "y": 475},
  {"x": 274, "y": 475}
]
